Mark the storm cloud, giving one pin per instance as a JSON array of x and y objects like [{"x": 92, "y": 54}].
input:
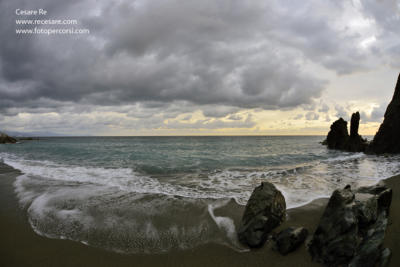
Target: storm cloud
[{"x": 179, "y": 56}]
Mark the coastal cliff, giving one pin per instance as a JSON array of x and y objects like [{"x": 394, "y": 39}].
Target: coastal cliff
[{"x": 386, "y": 139}]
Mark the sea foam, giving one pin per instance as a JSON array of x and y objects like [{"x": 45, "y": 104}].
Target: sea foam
[{"x": 137, "y": 212}]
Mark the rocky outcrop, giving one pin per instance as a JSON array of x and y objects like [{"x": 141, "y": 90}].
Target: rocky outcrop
[
  {"x": 387, "y": 139},
  {"x": 5, "y": 139},
  {"x": 354, "y": 124},
  {"x": 352, "y": 228},
  {"x": 339, "y": 138},
  {"x": 264, "y": 211},
  {"x": 289, "y": 239},
  {"x": 355, "y": 142}
]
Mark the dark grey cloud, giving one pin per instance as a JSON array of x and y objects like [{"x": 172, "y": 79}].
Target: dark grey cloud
[
  {"x": 202, "y": 52},
  {"x": 173, "y": 57},
  {"x": 385, "y": 13},
  {"x": 386, "y": 16},
  {"x": 395, "y": 58},
  {"x": 320, "y": 32}
]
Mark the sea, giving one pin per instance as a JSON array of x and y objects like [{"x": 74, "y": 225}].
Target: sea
[{"x": 157, "y": 194}]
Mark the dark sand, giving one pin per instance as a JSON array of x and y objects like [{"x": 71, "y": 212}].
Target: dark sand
[{"x": 21, "y": 246}]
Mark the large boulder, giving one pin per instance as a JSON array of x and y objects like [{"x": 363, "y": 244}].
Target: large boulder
[
  {"x": 352, "y": 228},
  {"x": 5, "y": 139},
  {"x": 339, "y": 138},
  {"x": 289, "y": 239},
  {"x": 338, "y": 135},
  {"x": 386, "y": 139},
  {"x": 335, "y": 240},
  {"x": 264, "y": 211}
]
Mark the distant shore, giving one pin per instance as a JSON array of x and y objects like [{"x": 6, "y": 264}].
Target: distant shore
[{"x": 21, "y": 246}]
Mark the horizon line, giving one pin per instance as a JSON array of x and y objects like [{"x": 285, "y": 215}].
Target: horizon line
[{"x": 244, "y": 135}]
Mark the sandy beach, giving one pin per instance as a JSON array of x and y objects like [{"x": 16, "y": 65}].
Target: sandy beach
[{"x": 21, "y": 246}]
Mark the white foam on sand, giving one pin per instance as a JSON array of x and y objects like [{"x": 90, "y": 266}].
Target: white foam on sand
[
  {"x": 88, "y": 210},
  {"x": 224, "y": 223}
]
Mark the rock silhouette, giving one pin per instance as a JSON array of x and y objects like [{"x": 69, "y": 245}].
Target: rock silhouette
[
  {"x": 264, "y": 211},
  {"x": 354, "y": 123},
  {"x": 387, "y": 139},
  {"x": 355, "y": 143},
  {"x": 339, "y": 138}
]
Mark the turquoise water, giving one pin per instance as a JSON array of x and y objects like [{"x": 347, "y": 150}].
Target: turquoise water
[{"x": 154, "y": 194}]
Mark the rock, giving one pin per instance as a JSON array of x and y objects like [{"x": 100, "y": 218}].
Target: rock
[
  {"x": 375, "y": 189},
  {"x": 366, "y": 207},
  {"x": 369, "y": 251},
  {"x": 5, "y": 139},
  {"x": 335, "y": 239},
  {"x": 289, "y": 239},
  {"x": 355, "y": 143},
  {"x": 385, "y": 258},
  {"x": 264, "y": 211},
  {"x": 352, "y": 227},
  {"x": 338, "y": 137},
  {"x": 354, "y": 123},
  {"x": 383, "y": 194},
  {"x": 385, "y": 199},
  {"x": 386, "y": 139}
]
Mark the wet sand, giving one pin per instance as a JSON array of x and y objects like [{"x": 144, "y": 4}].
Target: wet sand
[{"x": 21, "y": 246}]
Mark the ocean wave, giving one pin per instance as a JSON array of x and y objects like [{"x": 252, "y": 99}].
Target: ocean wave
[
  {"x": 124, "y": 179},
  {"x": 346, "y": 157},
  {"x": 299, "y": 183},
  {"x": 136, "y": 212}
]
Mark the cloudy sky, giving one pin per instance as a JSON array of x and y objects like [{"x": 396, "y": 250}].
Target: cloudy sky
[{"x": 184, "y": 67}]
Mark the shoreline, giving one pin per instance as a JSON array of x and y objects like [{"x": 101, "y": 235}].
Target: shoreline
[{"x": 21, "y": 246}]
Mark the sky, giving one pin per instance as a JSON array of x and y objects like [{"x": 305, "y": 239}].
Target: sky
[{"x": 189, "y": 67}]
